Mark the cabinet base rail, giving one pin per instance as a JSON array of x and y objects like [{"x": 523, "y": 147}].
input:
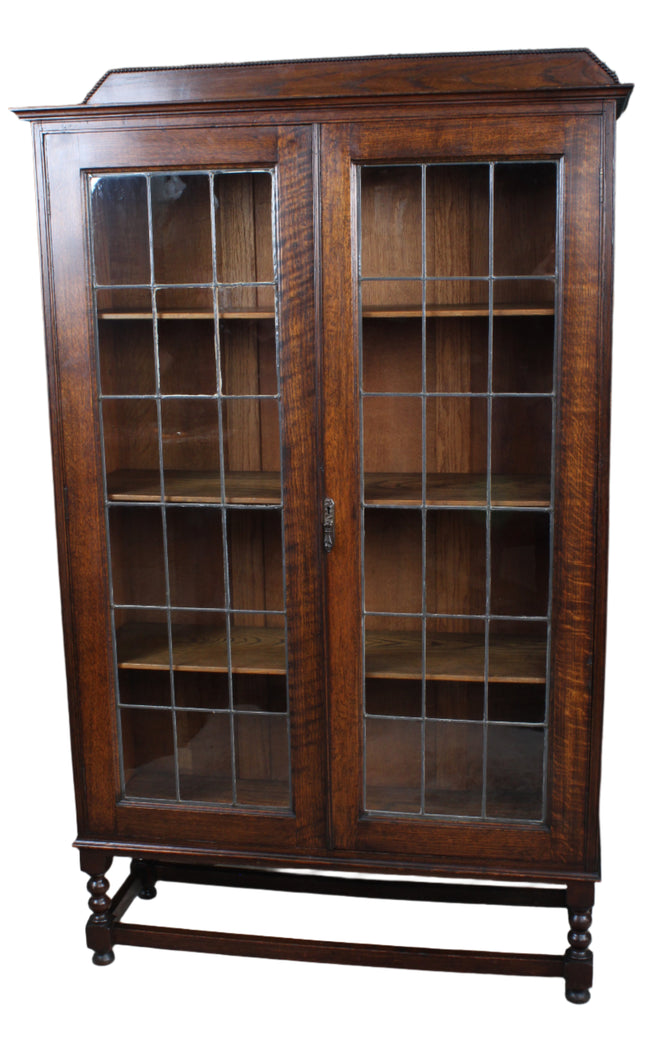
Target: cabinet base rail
[{"x": 105, "y": 928}]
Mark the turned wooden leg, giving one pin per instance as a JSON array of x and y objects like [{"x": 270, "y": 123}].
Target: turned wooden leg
[
  {"x": 99, "y": 926},
  {"x": 578, "y": 959},
  {"x": 146, "y": 873}
]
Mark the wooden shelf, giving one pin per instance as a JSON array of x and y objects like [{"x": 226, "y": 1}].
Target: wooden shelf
[
  {"x": 480, "y": 309},
  {"x": 455, "y": 657},
  {"x": 386, "y": 490},
  {"x": 196, "y": 487},
  {"x": 459, "y": 490},
  {"x": 397, "y": 654},
  {"x": 202, "y": 649},
  {"x": 250, "y": 313}
]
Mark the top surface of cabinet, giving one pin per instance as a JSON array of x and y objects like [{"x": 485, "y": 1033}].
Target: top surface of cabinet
[{"x": 418, "y": 77}]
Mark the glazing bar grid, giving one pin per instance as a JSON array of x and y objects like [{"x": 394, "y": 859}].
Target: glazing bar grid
[
  {"x": 492, "y": 510},
  {"x": 220, "y": 399}
]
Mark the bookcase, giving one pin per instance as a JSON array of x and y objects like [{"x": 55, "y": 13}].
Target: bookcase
[{"x": 329, "y": 352}]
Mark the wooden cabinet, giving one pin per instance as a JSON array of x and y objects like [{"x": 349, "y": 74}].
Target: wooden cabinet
[{"x": 329, "y": 352}]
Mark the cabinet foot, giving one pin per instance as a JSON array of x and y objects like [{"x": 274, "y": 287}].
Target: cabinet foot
[
  {"x": 578, "y": 958},
  {"x": 98, "y": 930},
  {"x": 145, "y": 872},
  {"x": 577, "y": 997},
  {"x": 103, "y": 958}
]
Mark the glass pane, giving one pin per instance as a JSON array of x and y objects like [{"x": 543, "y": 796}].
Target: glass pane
[
  {"x": 455, "y": 568},
  {"x": 191, "y": 449},
  {"x": 255, "y": 560},
  {"x": 457, "y": 220},
  {"x": 126, "y": 342},
  {"x": 458, "y": 700},
  {"x": 260, "y": 692},
  {"x": 456, "y": 444},
  {"x": 262, "y": 760},
  {"x": 120, "y": 230},
  {"x": 454, "y": 768},
  {"x": 525, "y": 218},
  {"x": 516, "y": 702},
  {"x": 517, "y": 654},
  {"x": 186, "y": 338},
  {"x": 248, "y": 356},
  {"x": 391, "y": 355},
  {"x": 136, "y": 556},
  {"x": 199, "y": 641},
  {"x": 243, "y": 225},
  {"x": 204, "y": 757},
  {"x": 144, "y": 687},
  {"x": 398, "y": 698},
  {"x": 201, "y": 691},
  {"x": 457, "y": 354},
  {"x": 148, "y": 754},
  {"x": 523, "y": 354},
  {"x": 393, "y": 647},
  {"x": 392, "y": 336},
  {"x": 521, "y": 450},
  {"x": 393, "y": 765},
  {"x": 258, "y": 644},
  {"x": 195, "y": 557},
  {"x": 520, "y": 555},
  {"x": 246, "y": 302},
  {"x": 252, "y": 456},
  {"x": 142, "y": 640},
  {"x": 391, "y": 226},
  {"x": 514, "y": 772},
  {"x": 181, "y": 228},
  {"x": 392, "y": 436},
  {"x": 131, "y": 444},
  {"x": 455, "y": 650},
  {"x": 392, "y": 560}
]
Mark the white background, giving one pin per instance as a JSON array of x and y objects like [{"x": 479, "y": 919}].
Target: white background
[{"x": 173, "y": 1004}]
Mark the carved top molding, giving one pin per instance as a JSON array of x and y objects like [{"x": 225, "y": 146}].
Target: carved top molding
[{"x": 352, "y": 79}]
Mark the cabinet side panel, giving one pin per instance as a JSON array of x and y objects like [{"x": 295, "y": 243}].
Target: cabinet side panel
[
  {"x": 592, "y": 854},
  {"x": 576, "y": 503},
  {"x": 78, "y": 491},
  {"x": 58, "y": 466}
]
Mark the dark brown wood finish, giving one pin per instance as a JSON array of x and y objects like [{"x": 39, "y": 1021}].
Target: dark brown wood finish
[
  {"x": 316, "y": 122},
  {"x": 578, "y": 143},
  {"x": 292, "y": 151}
]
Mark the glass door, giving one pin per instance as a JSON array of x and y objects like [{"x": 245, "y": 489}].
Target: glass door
[
  {"x": 204, "y": 351},
  {"x": 458, "y": 288},
  {"x": 463, "y": 467}
]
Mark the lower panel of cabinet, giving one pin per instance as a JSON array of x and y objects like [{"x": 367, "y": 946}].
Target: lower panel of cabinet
[{"x": 106, "y": 928}]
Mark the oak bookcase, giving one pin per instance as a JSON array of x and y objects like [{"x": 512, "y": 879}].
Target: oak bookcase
[{"x": 329, "y": 349}]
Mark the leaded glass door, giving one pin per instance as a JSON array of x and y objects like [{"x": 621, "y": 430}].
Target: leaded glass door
[
  {"x": 458, "y": 266},
  {"x": 203, "y": 352},
  {"x": 457, "y": 280}
]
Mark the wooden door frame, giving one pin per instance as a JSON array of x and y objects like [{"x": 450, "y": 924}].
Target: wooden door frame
[
  {"x": 65, "y": 160},
  {"x": 578, "y": 140}
]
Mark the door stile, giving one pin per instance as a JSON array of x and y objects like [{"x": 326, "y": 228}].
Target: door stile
[{"x": 341, "y": 434}]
